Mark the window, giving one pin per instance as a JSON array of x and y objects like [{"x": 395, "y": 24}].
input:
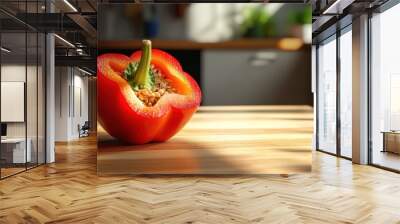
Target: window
[
  {"x": 346, "y": 92},
  {"x": 326, "y": 95},
  {"x": 333, "y": 137},
  {"x": 385, "y": 89}
]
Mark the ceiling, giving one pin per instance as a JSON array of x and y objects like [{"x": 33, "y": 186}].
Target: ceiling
[
  {"x": 332, "y": 15},
  {"x": 76, "y": 20},
  {"x": 73, "y": 20}
]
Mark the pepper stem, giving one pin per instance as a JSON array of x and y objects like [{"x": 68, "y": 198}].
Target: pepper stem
[{"x": 142, "y": 76}]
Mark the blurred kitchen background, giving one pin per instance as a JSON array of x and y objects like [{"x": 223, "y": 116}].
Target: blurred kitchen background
[{"x": 247, "y": 53}]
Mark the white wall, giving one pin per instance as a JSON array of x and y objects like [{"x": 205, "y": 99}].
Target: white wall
[
  {"x": 62, "y": 81},
  {"x": 71, "y": 87},
  {"x": 14, "y": 73},
  {"x": 79, "y": 117}
]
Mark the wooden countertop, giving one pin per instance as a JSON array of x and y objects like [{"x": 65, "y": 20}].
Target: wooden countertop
[
  {"x": 285, "y": 44},
  {"x": 221, "y": 140}
]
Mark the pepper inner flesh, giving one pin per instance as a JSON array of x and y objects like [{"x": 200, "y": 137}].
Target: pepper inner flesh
[
  {"x": 161, "y": 87},
  {"x": 148, "y": 83}
]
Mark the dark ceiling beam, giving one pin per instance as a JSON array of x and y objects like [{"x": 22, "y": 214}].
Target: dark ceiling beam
[
  {"x": 86, "y": 51},
  {"x": 80, "y": 20},
  {"x": 321, "y": 22},
  {"x": 78, "y": 61},
  {"x": 46, "y": 22},
  {"x": 91, "y": 5},
  {"x": 53, "y": 22},
  {"x": 15, "y": 18},
  {"x": 84, "y": 24}
]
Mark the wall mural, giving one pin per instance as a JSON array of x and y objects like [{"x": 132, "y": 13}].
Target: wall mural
[{"x": 229, "y": 94}]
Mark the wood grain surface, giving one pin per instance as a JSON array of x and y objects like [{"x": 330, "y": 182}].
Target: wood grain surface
[{"x": 220, "y": 140}]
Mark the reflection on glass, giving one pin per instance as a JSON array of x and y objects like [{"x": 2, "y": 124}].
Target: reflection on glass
[
  {"x": 327, "y": 96},
  {"x": 345, "y": 94},
  {"x": 385, "y": 90}
]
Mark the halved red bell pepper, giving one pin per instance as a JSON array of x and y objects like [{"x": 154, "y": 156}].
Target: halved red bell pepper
[{"x": 124, "y": 116}]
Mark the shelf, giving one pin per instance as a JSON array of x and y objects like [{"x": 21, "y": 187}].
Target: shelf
[{"x": 284, "y": 44}]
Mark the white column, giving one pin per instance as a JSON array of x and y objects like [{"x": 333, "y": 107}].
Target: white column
[
  {"x": 50, "y": 105},
  {"x": 50, "y": 92},
  {"x": 360, "y": 90}
]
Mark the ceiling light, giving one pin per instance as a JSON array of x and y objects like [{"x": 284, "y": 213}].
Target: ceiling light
[
  {"x": 70, "y": 5},
  {"x": 337, "y": 7},
  {"x": 84, "y": 71},
  {"x": 64, "y": 40},
  {"x": 80, "y": 51},
  {"x": 5, "y": 50}
]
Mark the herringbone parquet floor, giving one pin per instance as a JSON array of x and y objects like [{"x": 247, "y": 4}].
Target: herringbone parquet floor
[{"x": 69, "y": 191}]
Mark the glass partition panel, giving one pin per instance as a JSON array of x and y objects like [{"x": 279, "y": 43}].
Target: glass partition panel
[
  {"x": 327, "y": 96},
  {"x": 22, "y": 88},
  {"x": 14, "y": 153}
]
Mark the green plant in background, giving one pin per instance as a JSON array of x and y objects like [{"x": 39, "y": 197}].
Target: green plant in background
[
  {"x": 257, "y": 23},
  {"x": 301, "y": 17}
]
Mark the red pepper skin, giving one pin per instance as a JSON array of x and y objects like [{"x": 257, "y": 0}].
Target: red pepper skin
[{"x": 126, "y": 118}]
